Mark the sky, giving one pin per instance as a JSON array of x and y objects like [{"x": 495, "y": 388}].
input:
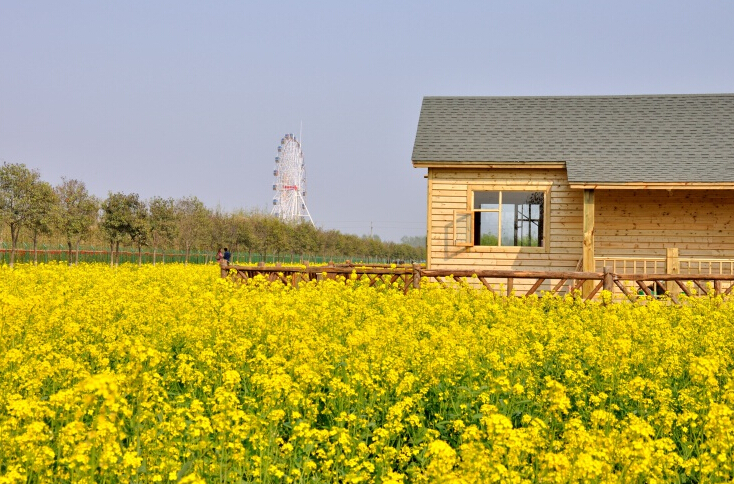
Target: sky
[{"x": 191, "y": 98}]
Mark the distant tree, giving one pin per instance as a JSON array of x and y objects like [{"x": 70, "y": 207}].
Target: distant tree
[
  {"x": 44, "y": 210},
  {"x": 161, "y": 223},
  {"x": 244, "y": 236},
  {"x": 76, "y": 214},
  {"x": 276, "y": 236},
  {"x": 305, "y": 238},
  {"x": 375, "y": 247},
  {"x": 347, "y": 245},
  {"x": 139, "y": 229},
  {"x": 260, "y": 230},
  {"x": 18, "y": 189},
  {"x": 194, "y": 220},
  {"x": 417, "y": 241},
  {"x": 329, "y": 242},
  {"x": 223, "y": 230},
  {"x": 119, "y": 219}
]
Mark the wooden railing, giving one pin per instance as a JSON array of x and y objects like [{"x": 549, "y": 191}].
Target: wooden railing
[
  {"x": 706, "y": 266},
  {"x": 672, "y": 285},
  {"x": 672, "y": 263},
  {"x": 630, "y": 286},
  {"x": 374, "y": 274},
  {"x": 498, "y": 281},
  {"x": 632, "y": 265}
]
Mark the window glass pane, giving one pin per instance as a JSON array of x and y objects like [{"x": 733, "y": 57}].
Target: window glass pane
[
  {"x": 486, "y": 228},
  {"x": 486, "y": 200},
  {"x": 522, "y": 219},
  {"x": 522, "y": 223}
]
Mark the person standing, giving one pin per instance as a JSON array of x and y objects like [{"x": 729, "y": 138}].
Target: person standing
[{"x": 224, "y": 262}]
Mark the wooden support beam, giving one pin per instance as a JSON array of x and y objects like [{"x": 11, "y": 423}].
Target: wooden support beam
[
  {"x": 608, "y": 280},
  {"x": 558, "y": 286},
  {"x": 701, "y": 286},
  {"x": 588, "y": 241},
  {"x": 624, "y": 290},
  {"x": 596, "y": 289},
  {"x": 483, "y": 280},
  {"x": 535, "y": 287},
  {"x": 672, "y": 266},
  {"x": 644, "y": 288},
  {"x": 577, "y": 286},
  {"x": 683, "y": 287}
]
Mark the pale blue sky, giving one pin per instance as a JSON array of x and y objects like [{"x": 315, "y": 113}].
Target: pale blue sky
[{"x": 177, "y": 98}]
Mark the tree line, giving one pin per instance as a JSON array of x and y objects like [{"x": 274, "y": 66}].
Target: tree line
[{"x": 33, "y": 210}]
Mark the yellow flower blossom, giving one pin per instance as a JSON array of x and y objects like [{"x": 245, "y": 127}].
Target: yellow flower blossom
[{"x": 171, "y": 374}]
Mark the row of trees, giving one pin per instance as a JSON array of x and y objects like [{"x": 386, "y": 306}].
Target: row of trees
[{"x": 38, "y": 210}]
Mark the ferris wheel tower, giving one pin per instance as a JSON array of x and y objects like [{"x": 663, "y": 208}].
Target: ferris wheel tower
[{"x": 289, "y": 202}]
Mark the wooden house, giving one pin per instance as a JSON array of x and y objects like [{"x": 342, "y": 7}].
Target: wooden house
[{"x": 634, "y": 183}]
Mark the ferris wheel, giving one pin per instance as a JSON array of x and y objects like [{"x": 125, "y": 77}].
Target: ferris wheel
[{"x": 289, "y": 202}]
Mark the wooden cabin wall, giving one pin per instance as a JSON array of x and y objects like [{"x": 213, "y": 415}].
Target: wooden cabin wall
[
  {"x": 447, "y": 192},
  {"x": 630, "y": 223}
]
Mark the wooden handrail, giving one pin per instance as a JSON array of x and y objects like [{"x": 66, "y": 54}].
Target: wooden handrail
[
  {"x": 675, "y": 277},
  {"x": 500, "y": 274},
  {"x": 410, "y": 277}
]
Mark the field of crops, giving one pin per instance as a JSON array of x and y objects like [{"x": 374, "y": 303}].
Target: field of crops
[{"x": 170, "y": 374}]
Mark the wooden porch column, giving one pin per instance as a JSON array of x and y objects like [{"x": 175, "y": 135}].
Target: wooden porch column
[
  {"x": 672, "y": 266},
  {"x": 588, "y": 244}
]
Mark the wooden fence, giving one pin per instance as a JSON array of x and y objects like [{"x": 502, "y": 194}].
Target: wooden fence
[
  {"x": 59, "y": 253},
  {"x": 672, "y": 263},
  {"x": 629, "y": 286}
]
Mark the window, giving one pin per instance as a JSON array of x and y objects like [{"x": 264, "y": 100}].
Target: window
[{"x": 502, "y": 218}]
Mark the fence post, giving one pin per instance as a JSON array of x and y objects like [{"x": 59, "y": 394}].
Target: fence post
[
  {"x": 608, "y": 280},
  {"x": 672, "y": 266},
  {"x": 416, "y": 276}
]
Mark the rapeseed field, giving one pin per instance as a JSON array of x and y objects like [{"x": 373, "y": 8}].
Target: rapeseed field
[{"x": 170, "y": 374}]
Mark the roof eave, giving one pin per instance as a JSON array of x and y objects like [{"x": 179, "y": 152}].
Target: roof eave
[
  {"x": 489, "y": 164},
  {"x": 652, "y": 185}
]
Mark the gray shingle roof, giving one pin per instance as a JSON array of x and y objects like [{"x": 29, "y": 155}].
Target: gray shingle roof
[{"x": 602, "y": 139}]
